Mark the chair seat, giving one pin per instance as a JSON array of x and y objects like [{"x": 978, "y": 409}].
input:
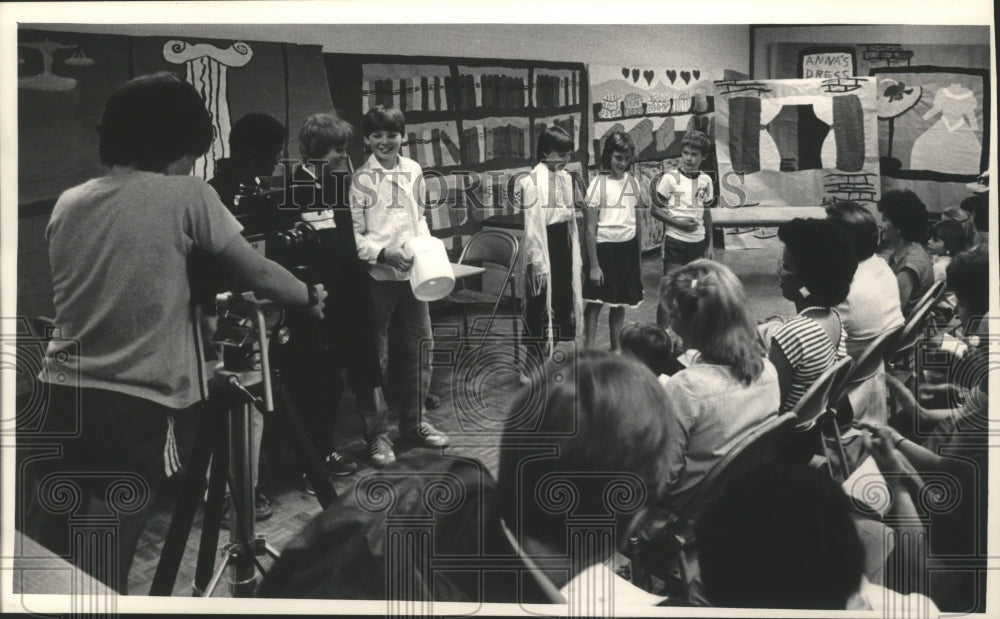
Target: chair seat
[{"x": 470, "y": 296}]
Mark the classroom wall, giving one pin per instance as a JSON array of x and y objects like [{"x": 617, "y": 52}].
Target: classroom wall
[
  {"x": 697, "y": 46},
  {"x": 764, "y": 36}
]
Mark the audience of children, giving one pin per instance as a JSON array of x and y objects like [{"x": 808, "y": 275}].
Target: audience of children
[
  {"x": 612, "y": 239},
  {"x": 552, "y": 448},
  {"x": 728, "y": 388},
  {"x": 651, "y": 345},
  {"x": 551, "y": 247}
]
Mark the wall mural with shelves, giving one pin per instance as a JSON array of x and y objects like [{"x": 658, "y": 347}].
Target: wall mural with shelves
[{"x": 472, "y": 124}]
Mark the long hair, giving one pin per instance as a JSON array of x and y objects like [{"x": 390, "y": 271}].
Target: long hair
[
  {"x": 710, "y": 313},
  {"x": 561, "y": 426}
]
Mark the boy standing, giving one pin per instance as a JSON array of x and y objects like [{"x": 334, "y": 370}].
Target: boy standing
[
  {"x": 386, "y": 211},
  {"x": 680, "y": 200}
]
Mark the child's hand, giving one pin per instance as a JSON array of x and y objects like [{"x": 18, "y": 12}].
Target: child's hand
[
  {"x": 685, "y": 224},
  {"x": 596, "y": 276},
  {"x": 398, "y": 258}
]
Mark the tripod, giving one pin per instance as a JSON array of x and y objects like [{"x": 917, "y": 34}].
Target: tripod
[{"x": 226, "y": 438}]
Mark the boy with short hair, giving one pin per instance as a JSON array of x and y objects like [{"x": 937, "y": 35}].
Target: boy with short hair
[
  {"x": 679, "y": 202},
  {"x": 548, "y": 198},
  {"x": 386, "y": 208}
]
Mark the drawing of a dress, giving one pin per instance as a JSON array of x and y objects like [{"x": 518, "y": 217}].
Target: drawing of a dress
[{"x": 950, "y": 145}]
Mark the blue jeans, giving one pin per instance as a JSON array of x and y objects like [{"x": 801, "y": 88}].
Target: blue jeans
[{"x": 396, "y": 310}]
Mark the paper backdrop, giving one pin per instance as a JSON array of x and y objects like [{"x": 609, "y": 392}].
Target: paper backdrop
[
  {"x": 903, "y": 63},
  {"x": 471, "y": 123},
  {"x": 65, "y": 78},
  {"x": 933, "y": 125},
  {"x": 656, "y": 107},
  {"x": 796, "y": 142}
]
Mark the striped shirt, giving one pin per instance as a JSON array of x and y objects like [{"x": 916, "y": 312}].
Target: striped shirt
[{"x": 809, "y": 352}]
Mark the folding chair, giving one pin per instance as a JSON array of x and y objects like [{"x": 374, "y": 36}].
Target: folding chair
[
  {"x": 810, "y": 409},
  {"x": 671, "y": 542},
  {"x": 865, "y": 367},
  {"x": 495, "y": 251}
]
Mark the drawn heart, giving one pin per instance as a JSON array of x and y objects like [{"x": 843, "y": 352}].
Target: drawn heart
[
  {"x": 625, "y": 72},
  {"x": 686, "y": 76},
  {"x": 697, "y": 74},
  {"x": 635, "y": 75},
  {"x": 649, "y": 76},
  {"x": 672, "y": 75}
]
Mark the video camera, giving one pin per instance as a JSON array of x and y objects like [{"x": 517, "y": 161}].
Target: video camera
[{"x": 272, "y": 224}]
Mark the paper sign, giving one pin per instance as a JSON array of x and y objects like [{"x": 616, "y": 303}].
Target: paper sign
[{"x": 827, "y": 65}]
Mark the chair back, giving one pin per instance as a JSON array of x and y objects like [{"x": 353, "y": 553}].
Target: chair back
[
  {"x": 814, "y": 402},
  {"x": 915, "y": 323},
  {"x": 756, "y": 448},
  {"x": 868, "y": 362},
  {"x": 495, "y": 251}
]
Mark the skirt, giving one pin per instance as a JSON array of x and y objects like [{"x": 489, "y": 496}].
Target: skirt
[{"x": 620, "y": 263}]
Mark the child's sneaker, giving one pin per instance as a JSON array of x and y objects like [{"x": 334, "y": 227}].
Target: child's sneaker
[
  {"x": 339, "y": 466},
  {"x": 426, "y": 435},
  {"x": 381, "y": 452}
]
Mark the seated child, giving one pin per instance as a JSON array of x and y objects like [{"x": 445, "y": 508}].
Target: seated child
[
  {"x": 728, "y": 389},
  {"x": 651, "y": 345}
]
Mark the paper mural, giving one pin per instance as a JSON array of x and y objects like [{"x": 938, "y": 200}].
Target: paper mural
[
  {"x": 205, "y": 68},
  {"x": 797, "y": 142},
  {"x": 656, "y": 107},
  {"x": 937, "y": 183},
  {"x": 933, "y": 122}
]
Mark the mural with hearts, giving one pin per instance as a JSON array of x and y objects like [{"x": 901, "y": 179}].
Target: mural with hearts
[{"x": 656, "y": 107}]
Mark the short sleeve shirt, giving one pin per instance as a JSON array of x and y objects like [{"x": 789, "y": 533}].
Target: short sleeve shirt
[
  {"x": 686, "y": 196},
  {"x": 118, "y": 248},
  {"x": 617, "y": 201}
]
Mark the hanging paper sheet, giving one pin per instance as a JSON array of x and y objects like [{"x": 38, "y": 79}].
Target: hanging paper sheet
[{"x": 796, "y": 142}]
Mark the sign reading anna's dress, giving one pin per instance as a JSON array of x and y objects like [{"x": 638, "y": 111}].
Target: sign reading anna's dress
[{"x": 826, "y": 62}]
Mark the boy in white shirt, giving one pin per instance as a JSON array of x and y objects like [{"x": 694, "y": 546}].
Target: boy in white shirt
[
  {"x": 386, "y": 205},
  {"x": 679, "y": 202}
]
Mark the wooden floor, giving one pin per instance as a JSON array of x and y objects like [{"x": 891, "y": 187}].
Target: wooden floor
[{"x": 484, "y": 391}]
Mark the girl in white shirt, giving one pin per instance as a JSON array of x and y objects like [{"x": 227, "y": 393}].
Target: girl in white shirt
[{"x": 613, "y": 253}]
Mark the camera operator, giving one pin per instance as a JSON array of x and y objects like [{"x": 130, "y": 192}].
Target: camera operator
[
  {"x": 118, "y": 249},
  {"x": 323, "y": 241}
]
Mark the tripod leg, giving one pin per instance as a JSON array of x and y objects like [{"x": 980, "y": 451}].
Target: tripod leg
[
  {"x": 187, "y": 504},
  {"x": 213, "y": 506},
  {"x": 325, "y": 492}
]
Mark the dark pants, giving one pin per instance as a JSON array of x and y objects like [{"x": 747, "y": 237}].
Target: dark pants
[
  {"x": 396, "y": 310},
  {"x": 561, "y": 281},
  {"x": 91, "y": 474}
]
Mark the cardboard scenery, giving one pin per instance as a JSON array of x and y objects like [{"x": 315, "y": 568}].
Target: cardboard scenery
[
  {"x": 656, "y": 107},
  {"x": 796, "y": 142}
]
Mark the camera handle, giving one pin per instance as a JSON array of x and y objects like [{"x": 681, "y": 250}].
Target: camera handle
[{"x": 225, "y": 439}]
